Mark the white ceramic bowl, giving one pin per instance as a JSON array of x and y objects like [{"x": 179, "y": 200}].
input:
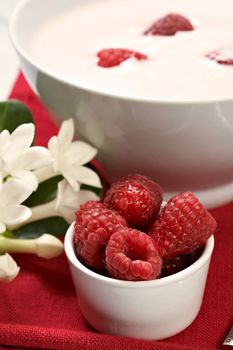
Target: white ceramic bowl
[
  {"x": 155, "y": 309},
  {"x": 183, "y": 145}
]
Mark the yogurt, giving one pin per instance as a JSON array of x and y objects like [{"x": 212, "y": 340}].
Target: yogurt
[{"x": 177, "y": 68}]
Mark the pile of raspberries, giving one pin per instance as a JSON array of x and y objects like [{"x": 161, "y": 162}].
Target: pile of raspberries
[{"x": 131, "y": 234}]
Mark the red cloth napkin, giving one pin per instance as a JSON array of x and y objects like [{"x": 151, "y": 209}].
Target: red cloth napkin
[{"x": 39, "y": 308}]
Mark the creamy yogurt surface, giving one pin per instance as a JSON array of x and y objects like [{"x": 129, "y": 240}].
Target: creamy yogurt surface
[{"x": 177, "y": 68}]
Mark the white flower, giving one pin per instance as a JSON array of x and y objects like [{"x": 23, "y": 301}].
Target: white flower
[
  {"x": 2, "y": 172},
  {"x": 64, "y": 205},
  {"x": 69, "y": 157},
  {"x": 68, "y": 201},
  {"x": 13, "y": 192},
  {"x": 18, "y": 157},
  {"x": 8, "y": 268}
]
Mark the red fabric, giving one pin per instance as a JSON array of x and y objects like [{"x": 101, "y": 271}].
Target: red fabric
[{"x": 39, "y": 308}]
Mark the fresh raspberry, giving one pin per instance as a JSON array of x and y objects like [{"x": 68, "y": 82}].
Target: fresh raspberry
[
  {"x": 93, "y": 227},
  {"x": 195, "y": 255},
  {"x": 132, "y": 255},
  {"x": 179, "y": 263},
  {"x": 92, "y": 204},
  {"x": 114, "y": 57},
  {"x": 222, "y": 56},
  {"x": 136, "y": 198},
  {"x": 142, "y": 179},
  {"x": 169, "y": 25},
  {"x": 183, "y": 225}
]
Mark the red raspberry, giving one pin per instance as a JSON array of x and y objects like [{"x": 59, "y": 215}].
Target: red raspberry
[
  {"x": 222, "y": 56},
  {"x": 93, "y": 227},
  {"x": 114, "y": 57},
  {"x": 132, "y": 255},
  {"x": 183, "y": 225},
  {"x": 91, "y": 205},
  {"x": 169, "y": 25},
  {"x": 136, "y": 198},
  {"x": 179, "y": 263}
]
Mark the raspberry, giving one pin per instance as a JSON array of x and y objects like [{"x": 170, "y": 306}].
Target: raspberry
[
  {"x": 169, "y": 25},
  {"x": 183, "y": 225},
  {"x": 91, "y": 205},
  {"x": 222, "y": 56},
  {"x": 179, "y": 263},
  {"x": 136, "y": 198},
  {"x": 132, "y": 255},
  {"x": 93, "y": 227},
  {"x": 114, "y": 57},
  {"x": 195, "y": 255}
]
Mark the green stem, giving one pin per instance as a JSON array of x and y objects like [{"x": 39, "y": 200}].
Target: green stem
[
  {"x": 46, "y": 246},
  {"x": 9, "y": 245}
]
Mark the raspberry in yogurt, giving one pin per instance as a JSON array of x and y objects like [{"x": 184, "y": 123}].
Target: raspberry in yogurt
[{"x": 170, "y": 25}]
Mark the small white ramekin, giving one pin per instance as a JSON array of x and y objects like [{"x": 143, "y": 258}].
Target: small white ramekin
[{"x": 154, "y": 309}]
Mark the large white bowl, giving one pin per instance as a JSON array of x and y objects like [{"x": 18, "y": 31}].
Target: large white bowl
[
  {"x": 155, "y": 309},
  {"x": 181, "y": 145}
]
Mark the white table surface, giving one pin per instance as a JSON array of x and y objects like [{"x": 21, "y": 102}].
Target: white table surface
[{"x": 8, "y": 59}]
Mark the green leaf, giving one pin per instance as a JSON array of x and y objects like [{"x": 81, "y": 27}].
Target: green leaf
[
  {"x": 55, "y": 226},
  {"x": 46, "y": 192},
  {"x": 12, "y": 114}
]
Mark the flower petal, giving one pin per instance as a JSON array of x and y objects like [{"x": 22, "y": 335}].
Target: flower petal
[
  {"x": 61, "y": 187},
  {"x": 2, "y": 227},
  {"x": 8, "y": 268},
  {"x": 14, "y": 215},
  {"x": 1, "y": 172},
  {"x": 81, "y": 152},
  {"x": 82, "y": 197},
  {"x": 72, "y": 181},
  {"x": 66, "y": 132},
  {"x": 4, "y": 141},
  {"x": 54, "y": 149},
  {"x": 34, "y": 158},
  {"x": 68, "y": 201},
  {"x": 65, "y": 195},
  {"x": 15, "y": 191},
  {"x": 87, "y": 176},
  {"x": 21, "y": 139},
  {"x": 28, "y": 178},
  {"x": 68, "y": 212}
]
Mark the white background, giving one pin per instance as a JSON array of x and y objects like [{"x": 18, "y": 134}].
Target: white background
[{"x": 8, "y": 59}]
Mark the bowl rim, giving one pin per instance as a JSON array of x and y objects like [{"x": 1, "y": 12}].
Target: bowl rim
[
  {"x": 177, "y": 277},
  {"x": 12, "y": 29}
]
